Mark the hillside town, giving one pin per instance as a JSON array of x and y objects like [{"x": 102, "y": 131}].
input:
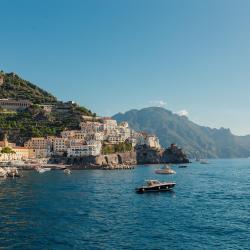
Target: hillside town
[{"x": 94, "y": 134}]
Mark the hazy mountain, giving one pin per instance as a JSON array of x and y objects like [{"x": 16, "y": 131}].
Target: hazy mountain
[{"x": 194, "y": 139}]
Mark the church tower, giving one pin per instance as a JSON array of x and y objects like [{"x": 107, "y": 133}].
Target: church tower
[
  {"x": 1, "y": 79},
  {"x": 5, "y": 140}
]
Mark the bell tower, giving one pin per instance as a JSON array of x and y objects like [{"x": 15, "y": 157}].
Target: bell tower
[
  {"x": 1, "y": 78},
  {"x": 5, "y": 140}
]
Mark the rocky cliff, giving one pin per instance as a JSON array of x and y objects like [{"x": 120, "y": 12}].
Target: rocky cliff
[
  {"x": 173, "y": 154},
  {"x": 128, "y": 158},
  {"x": 140, "y": 156}
]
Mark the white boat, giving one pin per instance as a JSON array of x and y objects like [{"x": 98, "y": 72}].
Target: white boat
[
  {"x": 165, "y": 170},
  {"x": 12, "y": 172},
  {"x": 43, "y": 170},
  {"x": 47, "y": 169},
  {"x": 67, "y": 171},
  {"x": 204, "y": 162}
]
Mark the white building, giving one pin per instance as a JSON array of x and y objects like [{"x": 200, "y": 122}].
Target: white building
[
  {"x": 124, "y": 132},
  {"x": 150, "y": 141},
  {"x": 115, "y": 138},
  {"x": 109, "y": 124},
  {"x": 76, "y": 134},
  {"x": 99, "y": 136},
  {"x": 91, "y": 127},
  {"x": 68, "y": 133},
  {"x": 60, "y": 145},
  {"x": 80, "y": 135},
  {"x": 153, "y": 142},
  {"x": 73, "y": 142},
  {"x": 91, "y": 149}
]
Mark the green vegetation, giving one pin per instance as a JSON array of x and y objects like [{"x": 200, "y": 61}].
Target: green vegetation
[
  {"x": 117, "y": 148},
  {"x": 7, "y": 150},
  {"x": 16, "y": 88},
  {"x": 35, "y": 121}
]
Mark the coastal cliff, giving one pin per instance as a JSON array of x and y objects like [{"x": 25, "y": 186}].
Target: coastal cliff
[
  {"x": 173, "y": 154},
  {"x": 96, "y": 162},
  {"x": 142, "y": 155}
]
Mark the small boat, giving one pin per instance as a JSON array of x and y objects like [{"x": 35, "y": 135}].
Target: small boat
[
  {"x": 182, "y": 166},
  {"x": 155, "y": 186},
  {"x": 165, "y": 170},
  {"x": 67, "y": 171},
  {"x": 46, "y": 169},
  {"x": 42, "y": 170},
  {"x": 3, "y": 173},
  {"x": 204, "y": 162}
]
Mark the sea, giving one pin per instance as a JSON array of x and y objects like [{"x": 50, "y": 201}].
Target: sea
[{"x": 99, "y": 209}]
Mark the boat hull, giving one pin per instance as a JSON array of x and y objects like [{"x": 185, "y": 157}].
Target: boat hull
[
  {"x": 158, "y": 188},
  {"x": 160, "y": 171},
  {"x": 182, "y": 166}
]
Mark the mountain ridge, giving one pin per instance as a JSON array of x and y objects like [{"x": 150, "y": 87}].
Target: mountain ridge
[{"x": 195, "y": 139}]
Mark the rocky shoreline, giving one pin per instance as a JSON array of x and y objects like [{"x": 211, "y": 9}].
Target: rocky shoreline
[{"x": 127, "y": 160}]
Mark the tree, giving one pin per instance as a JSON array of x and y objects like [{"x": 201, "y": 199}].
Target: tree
[{"x": 7, "y": 150}]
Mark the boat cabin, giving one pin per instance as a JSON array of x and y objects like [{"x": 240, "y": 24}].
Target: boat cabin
[{"x": 152, "y": 182}]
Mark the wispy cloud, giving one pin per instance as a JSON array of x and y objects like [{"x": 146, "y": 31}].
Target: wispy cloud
[
  {"x": 182, "y": 112},
  {"x": 158, "y": 103}
]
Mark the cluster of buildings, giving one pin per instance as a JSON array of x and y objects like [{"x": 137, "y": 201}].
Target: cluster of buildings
[
  {"x": 18, "y": 153},
  {"x": 89, "y": 140}
]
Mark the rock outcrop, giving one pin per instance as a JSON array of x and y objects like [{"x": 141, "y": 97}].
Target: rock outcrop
[
  {"x": 128, "y": 158},
  {"x": 173, "y": 154},
  {"x": 96, "y": 162},
  {"x": 142, "y": 155}
]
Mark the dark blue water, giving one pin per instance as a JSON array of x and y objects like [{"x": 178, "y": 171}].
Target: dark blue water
[{"x": 209, "y": 209}]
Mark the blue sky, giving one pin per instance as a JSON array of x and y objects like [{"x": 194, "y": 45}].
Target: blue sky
[{"x": 115, "y": 55}]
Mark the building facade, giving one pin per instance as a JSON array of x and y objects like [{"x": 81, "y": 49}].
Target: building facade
[
  {"x": 91, "y": 149},
  {"x": 41, "y": 146},
  {"x": 14, "y": 104}
]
